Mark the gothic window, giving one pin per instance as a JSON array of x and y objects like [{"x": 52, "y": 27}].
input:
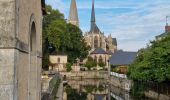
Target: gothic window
[
  {"x": 107, "y": 47},
  {"x": 100, "y": 59},
  {"x": 101, "y": 42},
  {"x": 33, "y": 38},
  {"x": 96, "y": 42},
  {"x": 95, "y": 58}
]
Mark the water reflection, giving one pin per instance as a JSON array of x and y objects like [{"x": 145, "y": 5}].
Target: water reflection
[
  {"x": 93, "y": 89},
  {"x": 86, "y": 90}
]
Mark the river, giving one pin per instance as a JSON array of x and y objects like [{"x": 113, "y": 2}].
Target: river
[{"x": 99, "y": 89}]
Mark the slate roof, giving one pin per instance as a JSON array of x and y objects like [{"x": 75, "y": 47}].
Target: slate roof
[
  {"x": 99, "y": 51},
  {"x": 162, "y": 35},
  {"x": 94, "y": 29},
  {"x": 122, "y": 58},
  {"x": 109, "y": 52}
]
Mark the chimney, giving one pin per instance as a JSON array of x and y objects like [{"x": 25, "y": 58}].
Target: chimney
[{"x": 167, "y": 28}]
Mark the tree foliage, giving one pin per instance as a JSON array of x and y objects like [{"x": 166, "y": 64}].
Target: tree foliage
[
  {"x": 153, "y": 62},
  {"x": 62, "y": 37},
  {"x": 90, "y": 63},
  {"x": 101, "y": 63},
  {"x": 74, "y": 43},
  {"x": 68, "y": 67}
]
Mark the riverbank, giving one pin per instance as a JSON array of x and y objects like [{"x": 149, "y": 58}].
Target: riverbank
[{"x": 96, "y": 80}]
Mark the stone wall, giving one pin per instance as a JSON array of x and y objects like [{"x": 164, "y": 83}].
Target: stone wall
[
  {"x": 85, "y": 74},
  {"x": 157, "y": 96},
  {"x": 7, "y": 23},
  {"x": 122, "y": 83},
  {"x": 6, "y": 74},
  {"x": 16, "y": 63}
]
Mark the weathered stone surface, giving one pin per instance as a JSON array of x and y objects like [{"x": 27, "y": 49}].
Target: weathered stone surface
[
  {"x": 7, "y": 23},
  {"x": 122, "y": 83},
  {"x": 17, "y": 68},
  {"x": 6, "y": 92},
  {"x": 6, "y": 66}
]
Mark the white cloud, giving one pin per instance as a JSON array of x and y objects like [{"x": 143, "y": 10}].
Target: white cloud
[
  {"x": 142, "y": 24},
  {"x": 133, "y": 29}
]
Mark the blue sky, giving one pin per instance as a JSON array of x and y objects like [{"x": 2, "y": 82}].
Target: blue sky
[{"x": 133, "y": 22}]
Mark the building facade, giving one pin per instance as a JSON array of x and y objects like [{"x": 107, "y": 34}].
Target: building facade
[
  {"x": 20, "y": 49},
  {"x": 120, "y": 61},
  {"x": 94, "y": 38},
  {"x": 58, "y": 62}
]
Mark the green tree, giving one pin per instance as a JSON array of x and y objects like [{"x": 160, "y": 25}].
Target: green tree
[
  {"x": 47, "y": 20},
  {"x": 68, "y": 67},
  {"x": 62, "y": 37},
  {"x": 75, "y": 46},
  {"x": 101, "y": 63},
  {"x": 153, "y": 62},
  {"x": 55, "y": 30},
  {"x": 90, "y": 63}
]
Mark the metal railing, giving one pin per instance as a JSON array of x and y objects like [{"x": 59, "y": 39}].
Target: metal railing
[{"x": 118, "y": 75}]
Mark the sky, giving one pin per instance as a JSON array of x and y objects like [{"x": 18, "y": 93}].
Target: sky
[{"x": 133, "y": 22}]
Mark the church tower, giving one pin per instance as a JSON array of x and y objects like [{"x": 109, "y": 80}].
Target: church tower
[
  {"x": 73, "y": 15},
  {"x": 94, "y": 28}
]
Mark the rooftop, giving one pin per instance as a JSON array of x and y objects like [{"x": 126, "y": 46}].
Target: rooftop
[
  {"x": 99, "y": 51},
  {"x": 122, "y": 58}
]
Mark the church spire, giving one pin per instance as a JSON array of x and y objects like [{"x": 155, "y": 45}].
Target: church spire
[
  {"x": 73, "y": 15},
  {"x": 93, "y": 19},
  {"x": 94, "y": 28}
]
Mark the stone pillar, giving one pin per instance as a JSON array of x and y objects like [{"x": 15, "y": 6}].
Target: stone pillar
[
  {"x": 7, "y": 74},
  {"x": 33, "y": 83},
  {"x": 7, "y": 50}
]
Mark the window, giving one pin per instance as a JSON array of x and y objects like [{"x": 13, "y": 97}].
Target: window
[
  {"x": 100, "y": 42},
  {"x": 95, "y": 42},
  {"x": 95, "y": 58}
]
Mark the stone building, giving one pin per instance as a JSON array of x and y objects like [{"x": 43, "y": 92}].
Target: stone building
[
  {"x": 58, "y": 62},
  {"x": 73, "y": 15},
  {"x": 100, "y": 55},
  {"x": 94, "y": 38},
  {"x": 20, "y": 49},
  {"x": 120, "y": 60}
]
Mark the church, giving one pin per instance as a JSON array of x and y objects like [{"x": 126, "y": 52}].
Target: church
[{"x": 102, "y": 47}]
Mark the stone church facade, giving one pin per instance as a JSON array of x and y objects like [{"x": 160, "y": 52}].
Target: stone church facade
[
  {"x": 94, "y": 38},
  {"x": 20, "y": 49}
]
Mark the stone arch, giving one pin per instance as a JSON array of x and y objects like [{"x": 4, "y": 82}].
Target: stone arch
[
  {"x": 33, "y": 38},
  {"x": 33, "y": 67},
  {"x": 100, "y": 58},
  {"x": 96, "y": 42},
  {"x": 95, "y": 58}
]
